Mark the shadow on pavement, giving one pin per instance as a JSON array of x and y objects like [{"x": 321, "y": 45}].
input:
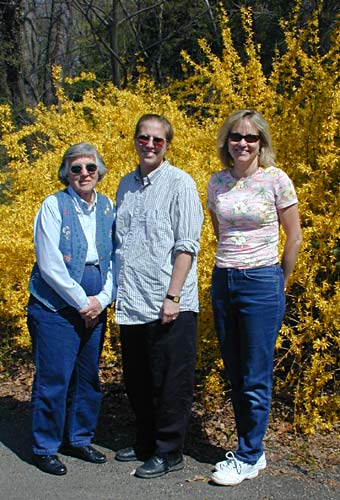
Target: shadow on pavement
[
  {"x": 115, "y": 428},
  {"x": 15, "y": 424}
]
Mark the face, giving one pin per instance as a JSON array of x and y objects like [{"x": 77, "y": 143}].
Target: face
[
  {"x": 242, "y": 152},
  {"x": 151, "y": 145},
  {"x": 85, "y": 181}
]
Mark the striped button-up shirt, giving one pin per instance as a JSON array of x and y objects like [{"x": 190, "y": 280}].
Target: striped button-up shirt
[{"x": 157, "y": 217}]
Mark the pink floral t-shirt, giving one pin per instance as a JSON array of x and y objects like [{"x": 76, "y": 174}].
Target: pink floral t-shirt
[{"x": 246, "y": 210}]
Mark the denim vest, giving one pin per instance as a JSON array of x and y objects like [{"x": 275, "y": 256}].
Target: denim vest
[{"x": 73, "y": 246}]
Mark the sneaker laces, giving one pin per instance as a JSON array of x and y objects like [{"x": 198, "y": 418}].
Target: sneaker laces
[{"x": 231, "y": 462}]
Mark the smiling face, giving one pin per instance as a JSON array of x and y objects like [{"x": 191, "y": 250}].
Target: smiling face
[
  {"x": 85, "y": 181},
  {"x": 151, "y": 145},
  {"x": 245, "y": 154}
]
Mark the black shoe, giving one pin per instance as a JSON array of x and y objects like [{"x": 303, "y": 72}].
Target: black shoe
[
  {"x": 87, "y": 453},
  {"x": 158, "y": 466},
  {"x": 50, "y": 464},
  {"x": 132, "y": 454}
]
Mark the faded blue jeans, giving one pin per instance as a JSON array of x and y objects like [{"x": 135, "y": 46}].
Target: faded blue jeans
[
  {"x": 249, "y": 306},
  {"x": 66, "y": 392}
]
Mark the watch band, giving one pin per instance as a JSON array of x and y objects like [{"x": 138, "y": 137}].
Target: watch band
[{"x": 174, "y": 298}]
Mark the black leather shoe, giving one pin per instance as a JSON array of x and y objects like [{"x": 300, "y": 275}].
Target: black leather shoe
[
  {"x": 158, "y": 466},
  {"x": 87, "y": 453},
  {"x": 127, "y": 454},
  {"x": 50, "y": 464},
  {"x": 131, "y": 454}
]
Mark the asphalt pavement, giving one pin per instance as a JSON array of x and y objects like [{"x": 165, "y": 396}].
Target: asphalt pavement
[{"x": 20, "y": 480}]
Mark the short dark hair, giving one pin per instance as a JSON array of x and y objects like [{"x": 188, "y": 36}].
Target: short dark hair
[
  {"x": 169, "y": 131},
  {"x": 81, "y": 149}
]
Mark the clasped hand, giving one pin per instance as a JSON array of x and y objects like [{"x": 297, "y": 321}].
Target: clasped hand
[{"x": 90, "y": 313}]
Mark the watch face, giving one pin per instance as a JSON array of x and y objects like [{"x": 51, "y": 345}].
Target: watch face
[{"x": 174, "y": 298}]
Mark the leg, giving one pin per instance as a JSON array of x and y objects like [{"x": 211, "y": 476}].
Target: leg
[
  {"x": 172, "y": 350},
  {"x": 173, "y": 358},
  {"x": 248, "y": 309},
  {"x": 261, "y": 309},
  {"x": 84, "y": 392},
  {"x": 228, "y": 332},
  {"x": 138, "y": 382},
  {"x": 55, "y": 347}
]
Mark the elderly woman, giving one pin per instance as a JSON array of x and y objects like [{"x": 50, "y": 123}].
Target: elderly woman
[
  {"x": 71, "y": 285},
  {"x": 248, "y": 201}
]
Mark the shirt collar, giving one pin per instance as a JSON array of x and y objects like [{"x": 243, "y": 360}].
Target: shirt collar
[
  {"x": 152, "y": 176},
  {"x": 80, "y": 204}
]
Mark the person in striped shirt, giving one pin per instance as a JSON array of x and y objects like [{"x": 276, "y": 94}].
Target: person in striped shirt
[{"x": 159, "y": 219}]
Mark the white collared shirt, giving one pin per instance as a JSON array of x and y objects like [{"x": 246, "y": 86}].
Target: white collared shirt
[{"x": 47, "y": 227}]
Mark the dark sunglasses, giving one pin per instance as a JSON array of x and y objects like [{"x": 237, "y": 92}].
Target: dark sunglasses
[
  {"x": 236, "y": 137},
  {"x": 143, "y": 140},
  {"x": 90, "y": 167}
]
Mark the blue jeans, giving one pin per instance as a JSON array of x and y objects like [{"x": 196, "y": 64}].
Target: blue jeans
[
  {"x": 66, "y": 392},
  {"x": 249, "y": 306}
]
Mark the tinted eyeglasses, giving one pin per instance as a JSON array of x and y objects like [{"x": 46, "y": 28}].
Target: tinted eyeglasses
[
  {"x": 90, "y": 167},
  {"x": 236, "y": 137},
  {"x": 143, "y": 140}
]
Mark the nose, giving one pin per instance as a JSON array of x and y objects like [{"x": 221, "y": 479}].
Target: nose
[
  {"x": 150, "y": 141},
  {"x": 83, "y": 170}
]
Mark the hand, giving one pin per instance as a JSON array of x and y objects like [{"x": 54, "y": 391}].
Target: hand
[
  {"x": 169, "y": 311},
  {"x": 92, "y": 311},
  {"x": 91, "y": 323}
]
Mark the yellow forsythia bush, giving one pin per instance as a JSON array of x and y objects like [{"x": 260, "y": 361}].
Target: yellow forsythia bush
[{"x": 300, "y": 99}]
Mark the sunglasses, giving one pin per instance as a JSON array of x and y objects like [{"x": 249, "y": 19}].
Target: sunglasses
[
  {"x": 143, "y": 140},
  {"x": 90, "y": 167},
  {"x": 236, "y": 137}
]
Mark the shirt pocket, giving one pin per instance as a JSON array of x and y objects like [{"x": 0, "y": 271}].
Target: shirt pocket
[{"x": 158, "y": 227}]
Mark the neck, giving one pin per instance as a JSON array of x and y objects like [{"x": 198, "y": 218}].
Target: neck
[
  {"x": 239, "y": 171},
  {"x": 146, "y": 169},
  {"x": 88, "y": 197}
]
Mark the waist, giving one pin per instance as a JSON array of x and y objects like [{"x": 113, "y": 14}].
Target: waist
[
  {"x": 250, "y": 268},
  {"x": 91, "y": 281}
]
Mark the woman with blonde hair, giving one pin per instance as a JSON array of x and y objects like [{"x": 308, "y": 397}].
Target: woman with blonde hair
[{"x": 248, "y": 201}]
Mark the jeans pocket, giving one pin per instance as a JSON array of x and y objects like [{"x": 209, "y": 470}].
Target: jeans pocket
[{"x": 267, "y": 274}]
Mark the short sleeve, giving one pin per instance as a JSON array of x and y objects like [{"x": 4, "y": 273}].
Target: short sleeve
[{"x": 285, "y": 194}]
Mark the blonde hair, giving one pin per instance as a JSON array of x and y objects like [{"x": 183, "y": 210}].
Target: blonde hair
[{"x": 266, "y": 156}]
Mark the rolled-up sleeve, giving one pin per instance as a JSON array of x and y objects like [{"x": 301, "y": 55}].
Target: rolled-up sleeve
[{"x": 188, "y": 221}]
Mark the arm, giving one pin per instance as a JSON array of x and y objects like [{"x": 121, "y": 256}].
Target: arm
[
  {"x": 107, "y": 295},
  {"x": 98, "y": 302},
  {"x": 187, "y": 219},
  {"x": 182, "y": 265},
  {"x": 289, "y": 218},
  {"x": 215, "y": 223},
  {"x": 47, "y": 227}
]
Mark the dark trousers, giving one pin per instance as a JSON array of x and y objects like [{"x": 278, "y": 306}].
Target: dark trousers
[
  {"x": 66, "y": 392},
  {"x": 159, "y": 370}
]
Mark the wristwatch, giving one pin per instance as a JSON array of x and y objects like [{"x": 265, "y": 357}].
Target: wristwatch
[{"x": 174, "y": 298}]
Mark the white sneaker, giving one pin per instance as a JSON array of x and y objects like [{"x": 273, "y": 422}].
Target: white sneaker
[
  {"x": 261, "y": 463},
  {"x": 232, "y": 471}
]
